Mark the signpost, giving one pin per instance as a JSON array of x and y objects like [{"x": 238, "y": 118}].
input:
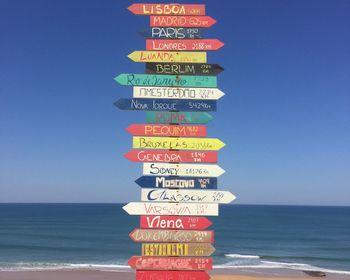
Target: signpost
[
  {"x": 177, "y": 249},
  {"x": 167, "y": 9},
  {"x": 188, "y": 196},
  {"x": 182, "y": 21},
  {"x": 172, "y": 33},
  {"x": 172, "y": 209},
  {"x": 171, "y": 156},
  {"x": 174, "y": 222},
  {"x": 170, "y": 235},
  {"x": 170, "y": 182},
  {"x": 178, "y": 117},
  {"x": 170, "y": 263},
  {"x": 167, "y": 130},
  {"x": 198, "y": 69},
  {"x": 171, "y": 275},
  {"x": 163, "y": 56},
  {"x": 178, "y": 93},
  {"x": 183, "y": 45}
]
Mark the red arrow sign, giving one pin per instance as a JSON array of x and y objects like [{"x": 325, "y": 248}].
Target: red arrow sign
[
  {"x": 174, "y": 222},
  {"x": 170, "y": 263},
  {"x": 171, "y": 156},
  {"x": 181, "y": 21},
  {"x": 171, "y": 275},
  {"x": 166, "y": 9},
  {"x": 184, "y": 45},
  {"x": 167, "y": 130}
]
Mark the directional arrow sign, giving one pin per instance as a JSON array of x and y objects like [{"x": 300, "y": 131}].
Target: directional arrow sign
[
  {"x": 183, "y": 45},
  {"x": 178, "y": 117},
  {"x": 167, "y": 130},
  {"x": 170, "y": 263},
  {"x": 171, "y": 156},
  {"x": 174, "y": 222},
  {"x": 171, "y": 143},
  {"x": 145, "y": 104},
  {"x": 165, "y": 80},
  {"x": 182, "y": 21},
  {"x": 169, "y": 235},
  {"x": 178, "y": 93},
  {"x": 167, "y": 9},
  {"x": 190, "y": 196},
  {"x": 171, "y": 275},
  {"x": 177, "y": 182},
  {"x": 177, "y": 249},
  {"x": 187, "y": 169},
  {"x": 173, "y": 209},
  {"x": 199, "y": 69},
  {"x": 172, "y": 33},
  {"x": 162, "y": 56}
]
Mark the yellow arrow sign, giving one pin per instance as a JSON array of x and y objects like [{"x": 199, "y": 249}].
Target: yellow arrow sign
[
  {"x": 159, "y": 56},
  {"x": 171, "y": 143}
]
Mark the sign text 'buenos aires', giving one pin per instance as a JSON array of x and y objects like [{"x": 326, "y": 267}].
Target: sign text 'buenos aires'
[
  {"x": 177, "y": 249},
  {"x": 171, "y": 275},
  {"x": 178, "y": 117},
  {"x": 169, "y": 182},
  {"x": 174, "y": 222},
  {"x": 167, "y": 9},
  {"x": 163, "y": 56},
  {"x": 199, "y": 69},
  {"x": 164, "y": 130},
  {"x": 183, "y": 45},
  {"x": 172, "y": 33},
  {"x": 182, "y": 21}
]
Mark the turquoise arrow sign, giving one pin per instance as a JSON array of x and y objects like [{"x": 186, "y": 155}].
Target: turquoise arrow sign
[
  {"x": 165, "y": 80},
  {"x": 178, "y": 117}
]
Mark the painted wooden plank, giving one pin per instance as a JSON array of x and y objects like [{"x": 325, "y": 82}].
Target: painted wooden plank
[
  {"x": 145, "y": 104},
  {"x": 178, "y": 117},
  {"x": 171, "y": 275},
  {"x": 188, "y": 196},
  {"x": 167, "y": 9},
  {"x": 172, "y": 209},
  {"x": 174, "y": 222},
  {"x": 198, "y": 69},
  {"x": 170, "y": 263},
  {"x": 175, "y": 143},
  {"x": 171, "y": 235},
  {"x": 172, "y": 33},
  {"x": 177, "y": 249},
  {"x": 163, "y": 56},
  {"x": 165, "y": 130},
  {"x": 171, "y": 156},
  {"x": 166, "y": 80},
  {"x": 177, "y": 93},
  {"x": 170, "y": 182},
  {"x": 183, "y": 45},
  {"x": 182, "y": 21}
]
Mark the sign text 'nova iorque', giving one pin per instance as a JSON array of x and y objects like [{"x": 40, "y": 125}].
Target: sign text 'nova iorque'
[
  {"x": 171, "y": 235},
  {"x": 172, "y": 33},
  {"x": 170, "y": 182},
  {"x": 199, "y": 69},
  {"x": 183, "y": 45},
  {"x": 174, "y": 222},
  {"x": 170, "y": 263},
  {"x": 172, "y": 209},
  {"x": 177, "y": 249},
  {"x": 164, "y": 130},
  {"x": 171, "y": 275},
  {"x": 188, "y": 196},
  {"x": 182, "y": 21},
  {"x": 145, "y": 104},
  {"x": 167, "y": 9},
  {"x": 163, "y": 56},
  {"x": 178, "y": 117},
  {"x": 166, "y": 80}
]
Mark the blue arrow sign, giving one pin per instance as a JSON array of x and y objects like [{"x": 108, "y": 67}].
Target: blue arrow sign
[
  {"x": 177, "y": 182},
  {"x": 145, "y": 104}
]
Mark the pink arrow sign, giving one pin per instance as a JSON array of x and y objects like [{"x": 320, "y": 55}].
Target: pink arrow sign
[
  {"x": 182, "y": 21},
  {"x": 184, "y": 45},
  {"x": 174, "y": 222},
  {"x": 170, "y": 263},
  {"x": 172, "y": 156},
  {"x": 166, "y": 9},
  {"x": 164, "y": 130},
  {"x": 171, "y": 275}
]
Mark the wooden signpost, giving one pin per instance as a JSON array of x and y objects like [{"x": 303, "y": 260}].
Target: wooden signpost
[
  {"x": 178, "y": 117},
  {"x": 183, "y": 45},
  {"x": 177, "y": 249},
  {"x": 172, "y": 33},
  {"x": 171, "y": 275},
  {"x": 167, "y": 9},
  {"x": 170, "y": 263},
  {"x": 164, "y": 130},
  {"x": 174, "y": 222},
  {"x": 163, "y": 56},
  {"x": 182, "y": 21},
  {"x": 177, "y": 93},
  {"x": 171, "y": 182},
  {"x": 198, "y": 69}
]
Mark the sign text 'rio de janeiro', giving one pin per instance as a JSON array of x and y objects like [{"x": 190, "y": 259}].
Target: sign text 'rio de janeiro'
[
  {"x": 170, "y": 182},
  {"x": 174, "y": 222}
]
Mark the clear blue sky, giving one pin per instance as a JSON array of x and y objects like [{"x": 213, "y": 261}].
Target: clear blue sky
[{"x": 285, "y": 117}]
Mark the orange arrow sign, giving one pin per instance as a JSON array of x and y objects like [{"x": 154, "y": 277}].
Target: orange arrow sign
[{"x": 167, "y": 9}]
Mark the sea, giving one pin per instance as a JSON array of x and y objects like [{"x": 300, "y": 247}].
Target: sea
[{"x": 249, "y": 237}]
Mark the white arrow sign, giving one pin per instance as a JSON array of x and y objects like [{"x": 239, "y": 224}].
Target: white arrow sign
[
  {"x": 191, "y": 170},
  {"x": 178, "y": 93},
  {"x": 188, "y": 196},
  {"x": 172, "y": 209}
]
